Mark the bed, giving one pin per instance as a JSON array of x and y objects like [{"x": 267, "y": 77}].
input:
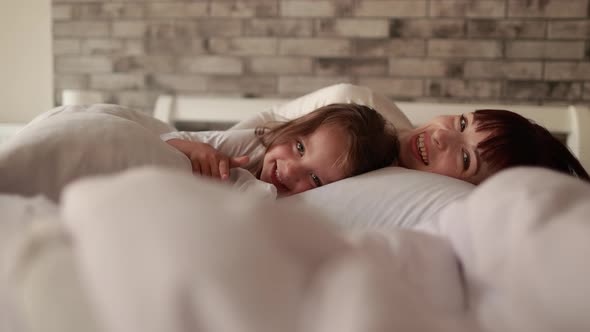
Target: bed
[{"x": 105, "y": 229}]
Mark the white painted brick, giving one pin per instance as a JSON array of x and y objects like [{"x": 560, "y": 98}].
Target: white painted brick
[
  {"x": 499, "y": 69},
  {"x": 117, "y": 81},
  {"x": 351, "y": 66},
  {"x": 553, "y": 9},
  {"x": 278, "y": 27},
  {"x": 174, "y": 46},
  {"x": 489, "y": 28},
  {"x": 314, "y": 46},
  {"x": 390, "y": 47},
  {"x": 178, "y": 82},
  {"x": 315, "y": 8},
  {"x": 547, "y": 91},
  {"x": 566, "y": 71},
  {"x": 370, "y": 28},
  {"x": 83, "y": 64},
  {"x": 455, "y": 88},
  {"x": 129, "y": 29},
  {"x": 221, "y": 65},
  {"x": 545, "y": 50},
  {"x": 244, "y": 8},
  {"x": 102, "y": 46},
  {"x": 398, "y": 8},
  {"x": 575, "y": 29},
  {"x": 134, "y": 47},
  {"x": 243, "y": 46},
  {"x": 148, "y": 64},
  {"x": 468, "y": 8},
  {"x": 177, "y": 9},
  {"x": 66, "y": 46},
  {"x": 465, "y": 48},
  {"x": 243, "y": 85},
  {"x": 395, "y": 86},
  {"x": 487, "y": 50},
  {"x": 75, "y": 1},
  {"x": 219, "y": 28},
  {"x": 173, "y": 29},
  {"x": 298, "y": 85},
  {"x": 428, "y": 28},
  {"x": 81, "y": 29},
  {"x": 97, "y": 11},
  {"x": 424, "y": 67},
  {"x": 280, "y": 65}
]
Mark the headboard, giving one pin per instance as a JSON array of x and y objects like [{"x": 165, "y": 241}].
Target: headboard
[{"x": 573, "y": 121}]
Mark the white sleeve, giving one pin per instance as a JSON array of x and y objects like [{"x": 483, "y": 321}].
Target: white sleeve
[
  {"x": 183, "y": 135},
  {"x": 233, "y": 143}
]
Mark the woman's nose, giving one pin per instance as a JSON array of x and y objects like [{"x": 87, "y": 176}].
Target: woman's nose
[{"x": 442, "y": 138}]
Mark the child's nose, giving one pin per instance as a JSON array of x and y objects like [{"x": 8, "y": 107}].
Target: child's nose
[{"x": 293, "y": 171}]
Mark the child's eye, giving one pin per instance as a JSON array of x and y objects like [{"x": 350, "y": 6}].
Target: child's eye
[
  {"x": 300, "y": 147},
  {"x": 316, "y": 180},
  {"x": 466, "y": 160},
  {"x": 462, "y": 122}
]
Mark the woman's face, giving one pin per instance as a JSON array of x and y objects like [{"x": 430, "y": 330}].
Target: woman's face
[{"x": 446, "y": 145}]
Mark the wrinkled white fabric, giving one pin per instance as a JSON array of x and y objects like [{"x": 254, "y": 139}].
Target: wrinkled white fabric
[
  {"x": 234, "y": 143},
  {"x": 190, "y": 255},
  {"x": 157, "y": 250},
  {"x": 523, "y": 238}
]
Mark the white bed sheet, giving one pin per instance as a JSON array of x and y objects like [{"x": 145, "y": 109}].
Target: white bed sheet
[{"x": 193, "y": 264}]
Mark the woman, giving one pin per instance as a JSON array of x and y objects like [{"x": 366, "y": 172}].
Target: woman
[
  {"x": 474, "y": 146},
  {"x": 470, "y": 147}
]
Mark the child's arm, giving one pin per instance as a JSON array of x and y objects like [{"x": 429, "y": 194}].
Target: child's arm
[{"x": 206, "y": 160}]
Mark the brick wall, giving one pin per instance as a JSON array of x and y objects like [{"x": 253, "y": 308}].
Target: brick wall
[{"x": 516, "y": 51}]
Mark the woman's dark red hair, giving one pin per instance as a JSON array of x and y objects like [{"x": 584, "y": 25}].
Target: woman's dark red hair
[{"x": 516, "y": 141}]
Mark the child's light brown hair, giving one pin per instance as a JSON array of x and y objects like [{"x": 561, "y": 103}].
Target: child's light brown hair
[{"x": 372, "y": 140}]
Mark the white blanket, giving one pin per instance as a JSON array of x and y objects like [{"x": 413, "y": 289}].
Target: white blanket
[{"x": 163, "y": 251}]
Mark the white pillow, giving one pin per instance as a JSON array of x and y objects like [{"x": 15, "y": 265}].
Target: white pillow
[
  {"x": 385, "y": 198},
  {"x": 339, "y": 93},
  {"x": 71, "y": 142}
]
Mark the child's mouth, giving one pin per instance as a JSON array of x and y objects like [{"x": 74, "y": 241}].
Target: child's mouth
[{"x": 275, "y": 179}]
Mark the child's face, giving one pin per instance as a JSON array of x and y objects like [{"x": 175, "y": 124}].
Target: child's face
[{"x": 306, "y": 162}]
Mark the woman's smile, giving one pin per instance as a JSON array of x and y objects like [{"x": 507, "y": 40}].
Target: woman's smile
[{"x": 421, "y": 147}]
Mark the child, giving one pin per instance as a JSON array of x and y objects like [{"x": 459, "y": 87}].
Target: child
[{"x": 329, "y": 144}]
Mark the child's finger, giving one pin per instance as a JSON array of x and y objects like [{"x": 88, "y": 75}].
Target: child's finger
[
  {"x": 214, "y": 167},
  {"x": 239, "y": 161},
  {"x": 196, "y": 168},
  {"x": 205, "y": 169},
  {"x": 224, "y": 169}
]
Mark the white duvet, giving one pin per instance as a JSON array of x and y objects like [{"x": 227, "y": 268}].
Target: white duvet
[{"x": 155, "y": 250}]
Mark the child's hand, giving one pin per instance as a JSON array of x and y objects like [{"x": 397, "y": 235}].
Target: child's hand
[{"x": 206, "y": 160}]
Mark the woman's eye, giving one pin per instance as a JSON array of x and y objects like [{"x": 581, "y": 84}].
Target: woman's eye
[
  {"x": 300, "y": 147},
  {"x": 462, "y": 122},
  {"x": 466, "y": 160},
  {"x": 316, "y": 180}
]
